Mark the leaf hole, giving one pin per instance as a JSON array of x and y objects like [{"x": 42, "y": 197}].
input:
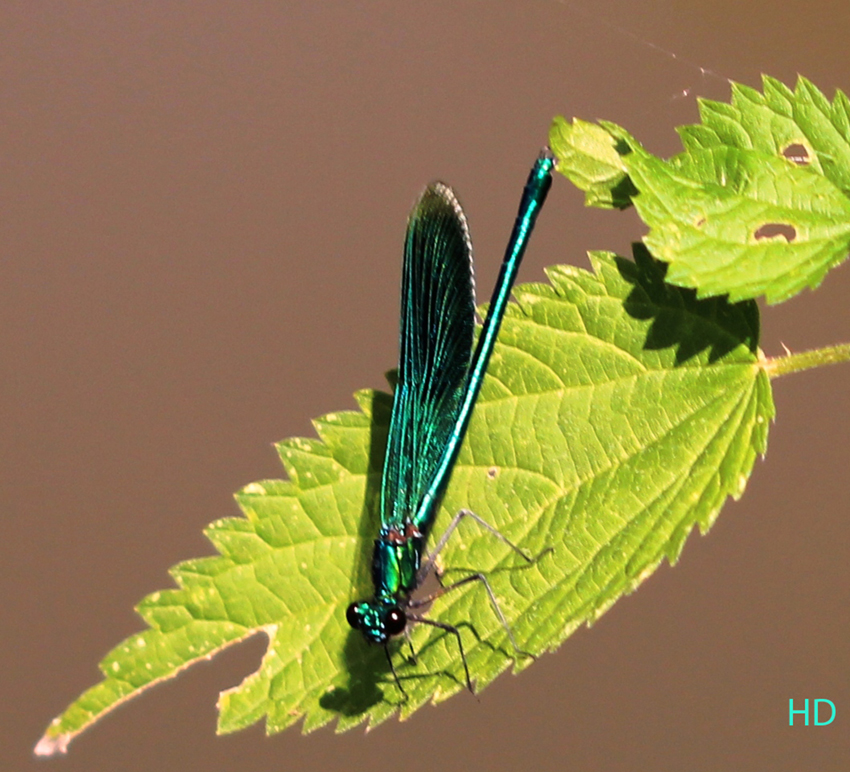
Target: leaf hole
[
  {"x": 492, "y": 472},
  {"x": 773, "y": 229},
  {"x": 798, "y": 154}
]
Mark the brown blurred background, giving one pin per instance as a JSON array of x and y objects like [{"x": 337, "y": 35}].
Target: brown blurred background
[{"x": 201, "y": 215}]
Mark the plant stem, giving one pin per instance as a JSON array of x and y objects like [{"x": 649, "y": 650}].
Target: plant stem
[{"x": 795, "y": 363}]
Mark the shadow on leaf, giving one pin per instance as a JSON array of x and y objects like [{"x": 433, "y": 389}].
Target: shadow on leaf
[
  {"x": 679, "y": 318},
  {"x": 369, "y": 679}
]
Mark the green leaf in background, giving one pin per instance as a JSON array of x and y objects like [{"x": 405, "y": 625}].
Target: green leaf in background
[
  {"x": 588, "y": 157},
  {"x": 758, "y": 202},
  {"x": 618, "y": 413}
]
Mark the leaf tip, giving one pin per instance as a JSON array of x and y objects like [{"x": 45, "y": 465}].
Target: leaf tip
[{"x": 51, "y": 745}]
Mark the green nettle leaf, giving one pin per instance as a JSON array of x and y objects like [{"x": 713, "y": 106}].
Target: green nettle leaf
[
  {"x": 759, "y": 202},
  {"x": 618, "y": 413},
  {"x": 588, "y": 157}
]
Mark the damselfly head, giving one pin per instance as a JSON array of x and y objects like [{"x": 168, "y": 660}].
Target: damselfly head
[{"x": 377, "y": 619}]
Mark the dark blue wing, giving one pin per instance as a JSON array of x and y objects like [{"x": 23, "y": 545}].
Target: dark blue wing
[{"x": 437, "y": 321}]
